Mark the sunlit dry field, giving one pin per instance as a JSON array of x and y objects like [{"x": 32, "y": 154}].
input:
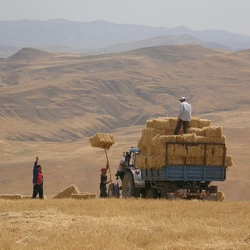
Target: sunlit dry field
[{"x": 124, "y": 224}]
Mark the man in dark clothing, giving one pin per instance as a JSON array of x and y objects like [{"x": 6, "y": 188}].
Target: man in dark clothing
[
  {"x": 104, "y": 182},
  {"x": 37, "y": 180}
]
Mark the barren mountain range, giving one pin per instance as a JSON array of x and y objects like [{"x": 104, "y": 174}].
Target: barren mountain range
[
  {"x": 51, "y": 103},
  {"x": 101, "y": 37}
]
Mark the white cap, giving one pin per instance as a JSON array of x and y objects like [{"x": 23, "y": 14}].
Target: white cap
[{"x": 182, "y": 99}]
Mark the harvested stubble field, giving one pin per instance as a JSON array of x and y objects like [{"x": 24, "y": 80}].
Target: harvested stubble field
[{"x": 124, "y": 224}]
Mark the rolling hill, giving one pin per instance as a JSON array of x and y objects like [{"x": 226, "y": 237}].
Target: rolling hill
[{"x": 50, "y": 103}]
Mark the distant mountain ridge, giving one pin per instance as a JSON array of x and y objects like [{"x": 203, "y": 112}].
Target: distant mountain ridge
[{"x": 91, "y": 37}]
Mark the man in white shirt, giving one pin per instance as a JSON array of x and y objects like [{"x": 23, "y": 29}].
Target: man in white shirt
[
  {"x": 124, "y": 163},
  {"x": 184, "y": 116}
]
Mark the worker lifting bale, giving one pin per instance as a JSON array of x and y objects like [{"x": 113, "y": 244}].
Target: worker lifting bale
[{"x": 104, "y": 141}]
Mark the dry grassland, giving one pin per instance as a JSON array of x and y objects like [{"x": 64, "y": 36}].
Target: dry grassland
[{"x": 124, "y": 224}]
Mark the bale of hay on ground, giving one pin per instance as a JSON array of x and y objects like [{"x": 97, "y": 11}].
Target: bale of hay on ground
[
  {"x": 11, "y": 196},
  {"x": 82, "y": 196},
  {"x": 66, "y": 193},
  {"x": 102, "y": 140}
]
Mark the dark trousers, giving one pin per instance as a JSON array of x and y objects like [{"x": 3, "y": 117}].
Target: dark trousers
[
  {"x": 103, "y": 192},
  {"x": 178, "y": 126},
  {"x": 38, "y": 189},
  {"x": 120, "y": 174}
]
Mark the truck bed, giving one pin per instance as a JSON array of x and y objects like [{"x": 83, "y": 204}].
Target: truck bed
[{"x": 185, "y": 173}]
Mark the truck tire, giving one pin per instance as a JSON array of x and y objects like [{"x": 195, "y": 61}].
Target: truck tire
[
  {"x": 151, "y": 193},
  {"x": 128, "y": 186}
]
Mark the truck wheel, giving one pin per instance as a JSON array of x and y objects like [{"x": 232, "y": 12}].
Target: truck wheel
[
  {"x": 151, "y": 193},
  {"x": 128, "y": 186}
]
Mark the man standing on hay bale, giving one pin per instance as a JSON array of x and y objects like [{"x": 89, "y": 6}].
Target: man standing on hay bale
[
  {"x": 104, "y": 182},
  {"x": 184, "y": 116},
  {"x": 37, "y": 180}
]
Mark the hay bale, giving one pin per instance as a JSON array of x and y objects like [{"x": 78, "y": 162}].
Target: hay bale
[
  {"x": 11, "y": 196},
  {"x": 82, "y": 196},
  {"x": 161, "y": 124},
  {"x": 102, "y": 140},
  {"x": 204, "y": 123},
  {"x": 197, "y": 131},
  {"x": 194, "y": 123},
  {"x": 66, "y": 193},
  {"x": 213, "y": 132},
  {"x": 229, "y": 161},
  {"x": 193, "y": 160},
  {"x": 149, "y": 124},
  {"x": 196, "y": 151}
]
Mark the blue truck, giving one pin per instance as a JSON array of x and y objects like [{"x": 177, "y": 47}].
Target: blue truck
[{"x": 187, "y": 181}]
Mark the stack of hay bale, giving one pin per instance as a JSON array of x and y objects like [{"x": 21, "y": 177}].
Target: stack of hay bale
[
  {"x": 74, "y": 193},
  {"x": 158, "y": 132}
]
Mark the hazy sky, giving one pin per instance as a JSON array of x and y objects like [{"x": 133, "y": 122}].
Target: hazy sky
[{"x": 229, "y": 15}]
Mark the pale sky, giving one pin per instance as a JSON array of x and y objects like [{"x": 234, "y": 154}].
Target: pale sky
[{"x": 228, "y": 15}]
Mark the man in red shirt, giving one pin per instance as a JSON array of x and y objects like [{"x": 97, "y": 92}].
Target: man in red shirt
[{"x": 37, "y": 180}]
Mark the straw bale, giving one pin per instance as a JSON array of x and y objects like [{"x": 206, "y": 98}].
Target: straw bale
[
  {"x": 221, "y": 139},
  {"x": 26, "y": 197},
  {"x": 148, "y": 134},
  {"x": 141, "y": 161},
  {"x": 161, "y": 124},
  {"x": 161, "y": 140},
  {"x": 189, "y": 138},
  {"x": 169, "y": 131},
  {"x": 173, "y": 122},
  {"x": 149, "y": 124},
  {"x": 215, "y": 150},
  {"x": 83, "y": 196},
  {"x": 194, "y": 123},
  {"x": 67, "y": 192},
  {"x": 196, "y": 131},
  {"x": 214, "y": 155},
  {"x": 180, "y": 150},
  {"x": 214, "y": 160},
  {"x": 195, "y": 160},
  {"x": 102, "y": 140},
  {"x": 220, "y": 196},
  {"x": 151, "y": 150},
  {"x": 173, "y": 160},
  {"x": 202, "y": 139},
  {"x": 11, "y": 196},
  {"x": 204, "y": 123},
  {"x": 139, "y": 143},
  {"x": 196, "y": 151},
  {"x": 229, "y": 161},
  {"x": 213, "y": 132},
  {"x": 159, "y": 161},
  {"x": 151, "y": 162}
]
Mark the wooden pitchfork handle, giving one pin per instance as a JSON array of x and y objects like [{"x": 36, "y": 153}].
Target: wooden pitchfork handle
[{"x": 108, "y": 162}]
